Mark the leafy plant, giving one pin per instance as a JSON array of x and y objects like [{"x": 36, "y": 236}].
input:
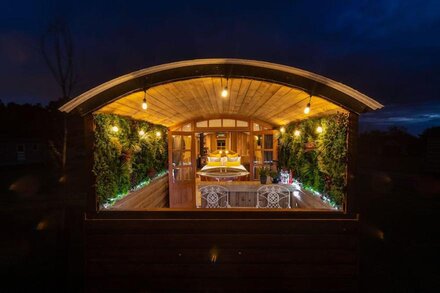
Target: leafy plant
[
  {"x": 323, "y": 168},
  {"x": 124, "y": 159}
]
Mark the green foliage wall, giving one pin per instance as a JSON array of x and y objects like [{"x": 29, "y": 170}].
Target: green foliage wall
[
  {"x": 124, "y": 159},
  {"x": 322, "y": 168}
]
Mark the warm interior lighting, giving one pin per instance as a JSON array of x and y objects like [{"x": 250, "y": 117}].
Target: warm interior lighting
[
  {"x": 115, "y": 129},
  {"x": 296, "y": 132},
  {"x": 144, "y": 101},
  {"x": 225, "y": 92},
  {"x": 158, "y": 134},
  {"x": 282, "y": 129},
  {"x": 319, "y": 129},
  {"x": 307, "y": 109},
  {"x": 226, "y": 152},
  {"x": 141, "y": 132}
]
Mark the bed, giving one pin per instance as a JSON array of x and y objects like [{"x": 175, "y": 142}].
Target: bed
[{"x": 223, "y": 164}]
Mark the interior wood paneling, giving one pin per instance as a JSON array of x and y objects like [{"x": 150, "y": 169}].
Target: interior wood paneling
[{"x": 176, "y": 102}]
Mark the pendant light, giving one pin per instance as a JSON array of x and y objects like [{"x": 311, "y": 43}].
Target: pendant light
[
  {"x": 307, "y": 108},
  {"x": 144, "y": 101},
  {"x": 225, "y": 91}
]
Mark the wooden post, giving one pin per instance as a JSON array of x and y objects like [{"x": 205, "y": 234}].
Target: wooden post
[
  {"x": 351, "y": 200},
  {"x": 89, "y": 144}
]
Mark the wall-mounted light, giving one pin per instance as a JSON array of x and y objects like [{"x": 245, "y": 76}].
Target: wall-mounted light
[
  {"x": 144, "y": 101},
  {"x": 319, "y": 129},
  {"x": 115, "y": 128},
  {"x": 297, "y": 133}
]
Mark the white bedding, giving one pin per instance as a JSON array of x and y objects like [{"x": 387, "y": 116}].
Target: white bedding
[{"x": 239, "y": 167}]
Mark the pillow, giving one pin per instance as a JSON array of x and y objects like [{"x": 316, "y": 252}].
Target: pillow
[
  {"x": 214, "y": 159},
  {"x": 215, "y": 155},
  {"x": 237, "y": 159},
  {"x": 214, "y": 164},
  {"x": 230, "y": 164},
  {"x": 232, "y": 155}
]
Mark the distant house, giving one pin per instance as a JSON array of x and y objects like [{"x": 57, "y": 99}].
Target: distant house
[{"x": 24, "y": 151}]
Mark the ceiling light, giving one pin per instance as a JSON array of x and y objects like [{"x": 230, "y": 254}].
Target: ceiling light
[
  {"x": 307, "y": 108},
  {"x": 144, "y": 101}
]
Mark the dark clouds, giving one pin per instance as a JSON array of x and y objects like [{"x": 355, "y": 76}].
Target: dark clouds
[{"x": 386, "y": 49}]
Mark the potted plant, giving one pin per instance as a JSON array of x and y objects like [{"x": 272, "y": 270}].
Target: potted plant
[
  {"x": 275, "y": 176},
  {"x": 263, "y": 172}
]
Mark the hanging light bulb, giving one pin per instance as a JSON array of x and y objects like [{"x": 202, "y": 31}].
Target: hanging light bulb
[
  {"x": 307, "y": 108},
  {"x": 225, "y": 91},
  {"x": 115, "y": 128},
  {"x": 141, "y": 132},
  {"x": 297, "y": 133},
  {"x": 319, "y": 129},
  {"x": 282, "y": 129},
  {"x": 144, "y": 101}
]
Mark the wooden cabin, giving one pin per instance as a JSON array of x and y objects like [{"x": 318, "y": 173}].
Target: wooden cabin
[{"x": 209, "y": 219}]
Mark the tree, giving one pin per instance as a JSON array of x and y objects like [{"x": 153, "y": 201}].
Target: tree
[{"x": 58, "y": 52}]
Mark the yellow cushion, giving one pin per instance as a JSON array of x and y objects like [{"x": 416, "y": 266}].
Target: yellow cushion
[
  {"x": 233, "y": 163},
  {"x": 232, "y": 155},
  {"x": 215, "y": 155},
  {"x": 214, "y": 163}
]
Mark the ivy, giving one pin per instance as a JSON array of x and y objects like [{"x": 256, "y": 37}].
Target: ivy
[
  {"x": 322, "y": 167},
  {"x": 124, "y": 159}
]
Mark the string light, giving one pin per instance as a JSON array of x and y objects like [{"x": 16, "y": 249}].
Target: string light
[
  {"x": 282, "y": 129},
  {"x": 297, "y": 133},
  {"x": 115, "y": 128},
  {"x": 144, "y": 101},
  {"x": 307, "y": 108},
  {"x": 319, "y": 129}
]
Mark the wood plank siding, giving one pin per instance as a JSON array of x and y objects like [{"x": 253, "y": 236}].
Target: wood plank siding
[
  {"x": 224, "y": 255},
  {"x": 176, "y": 102},
  {"x": 154, "y": 195}
]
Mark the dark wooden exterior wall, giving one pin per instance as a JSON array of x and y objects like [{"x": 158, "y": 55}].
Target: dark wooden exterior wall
[
  {"x": 221, "y": 255},
  {"x": 154, "y": 195}
]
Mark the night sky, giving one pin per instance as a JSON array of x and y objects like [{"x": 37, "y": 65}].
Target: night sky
[{"x": 389, "y": 50}]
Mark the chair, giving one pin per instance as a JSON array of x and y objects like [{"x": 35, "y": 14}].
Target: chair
[
  {"x": 214, "y": 196},
  {"x": 273, "y": 196}
]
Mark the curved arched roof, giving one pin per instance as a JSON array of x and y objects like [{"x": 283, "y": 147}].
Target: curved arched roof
[{"x": 196, "y": 73}]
